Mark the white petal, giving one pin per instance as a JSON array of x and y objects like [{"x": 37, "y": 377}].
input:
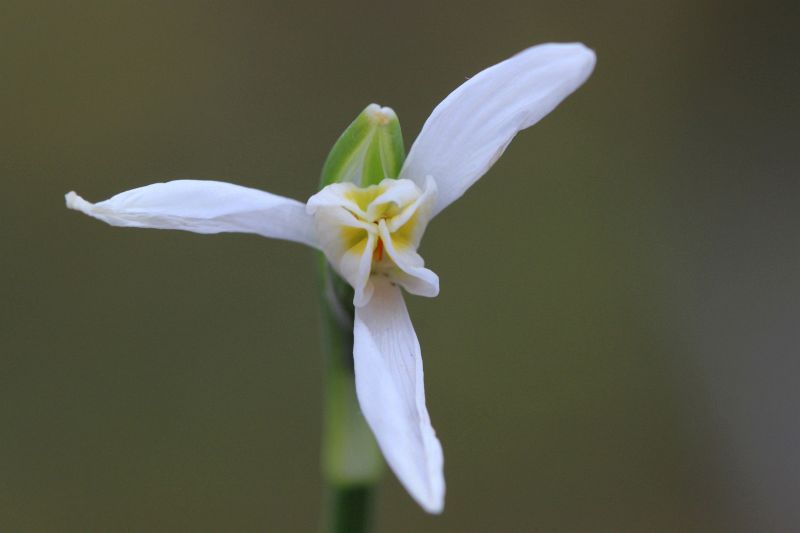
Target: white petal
[
  {"x": 348, "y": 244},
  {"x": 389, "y": 384},
  {"x": 470, "y": 129},
  {"x": 334, "y": 195},
  {"x": 203, "y": 207},
  {"x": 410, "y": 224},
  {"x": 398, "y": 193},
  {"x": 356, "y": 270},
  {"x": 409, "y": 271}
]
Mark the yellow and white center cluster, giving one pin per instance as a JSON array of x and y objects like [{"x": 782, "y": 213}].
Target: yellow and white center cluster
[{"x": 375, "y": 231}]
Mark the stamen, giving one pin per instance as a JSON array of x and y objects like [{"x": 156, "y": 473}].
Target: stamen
[{"x": 377, "y": 253}]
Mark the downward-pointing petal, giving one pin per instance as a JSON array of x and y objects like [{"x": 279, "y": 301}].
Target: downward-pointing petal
[
  {"x": 204, "y": 207},
  {"x": 389, "y": 383},
  {"x": 471, "y": 128}
]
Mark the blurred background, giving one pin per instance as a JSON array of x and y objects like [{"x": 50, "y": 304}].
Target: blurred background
[{"x": 615, "y": 347}]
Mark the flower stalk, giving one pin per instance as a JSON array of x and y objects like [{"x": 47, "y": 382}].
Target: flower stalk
[{"x": 351, "y": 460}]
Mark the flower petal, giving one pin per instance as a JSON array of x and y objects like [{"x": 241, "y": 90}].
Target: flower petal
[
  {"x": 356, "y": 270},
  {"x": 204, "y": 207},
  {"x": 348, "y": 243},
  {"x": 409, "y": 267},
  {"x": 389, "y": 384},
  {"x": 470, "y": 129},
  {"x": 410, "y": 224},
  {"x": 396, "y": 195},
  {"x": 336, "y": 195}
]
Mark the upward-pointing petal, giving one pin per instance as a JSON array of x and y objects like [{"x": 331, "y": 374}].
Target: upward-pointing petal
[
  {"x": 389, "y": 384},
  {"x": 470, "y": 129},
  {"x": 203, "y": 207}
]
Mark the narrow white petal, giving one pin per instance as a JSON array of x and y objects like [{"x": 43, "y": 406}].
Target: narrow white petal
[
  {"x": 409, "y": 271},
  {"x": 203, "y": 207},
  {"x": 399, "y": 194},
  {"x": 389, "y": 384},
  {"x": 334, "y": 195},
  {"x": 410, "y": 224},
  {"x": 348, "y": 244},
  {"x": 470, "y": 129},
  {"x": 361, "y": 267}
]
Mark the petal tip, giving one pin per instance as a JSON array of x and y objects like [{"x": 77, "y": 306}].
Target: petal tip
[
  {"x": 362, "y": 295},
  {"x": 434, "y": 510},
  {"x": 434, "y": 504},
  {"x": 430, "y": 494},
  {"x": 577, "y": 56},
  {"x": 583, "y": 57},
  {"x": 587, "y": 56},
  {"x": 76, "y": 202}
]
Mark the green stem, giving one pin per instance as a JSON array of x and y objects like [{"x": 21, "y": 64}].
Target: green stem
[
  {"x": 351, "y": 462},
  {"x": 349, "y": 509}
]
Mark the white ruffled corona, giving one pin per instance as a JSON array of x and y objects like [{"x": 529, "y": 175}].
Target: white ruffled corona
[
  {"x": 374, "y": 232},
  {"x": 370, "y": 234}
]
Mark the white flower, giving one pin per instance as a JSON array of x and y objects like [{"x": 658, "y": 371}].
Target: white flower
[{"x": 370, "y": 234}]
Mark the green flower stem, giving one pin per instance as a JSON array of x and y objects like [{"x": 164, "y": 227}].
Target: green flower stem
[
  {"x": 349, "y": 509},
  {"x": 351, "y": 461}
]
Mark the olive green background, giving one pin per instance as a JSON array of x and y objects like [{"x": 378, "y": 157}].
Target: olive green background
[{"x": 615, "y": 346}]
